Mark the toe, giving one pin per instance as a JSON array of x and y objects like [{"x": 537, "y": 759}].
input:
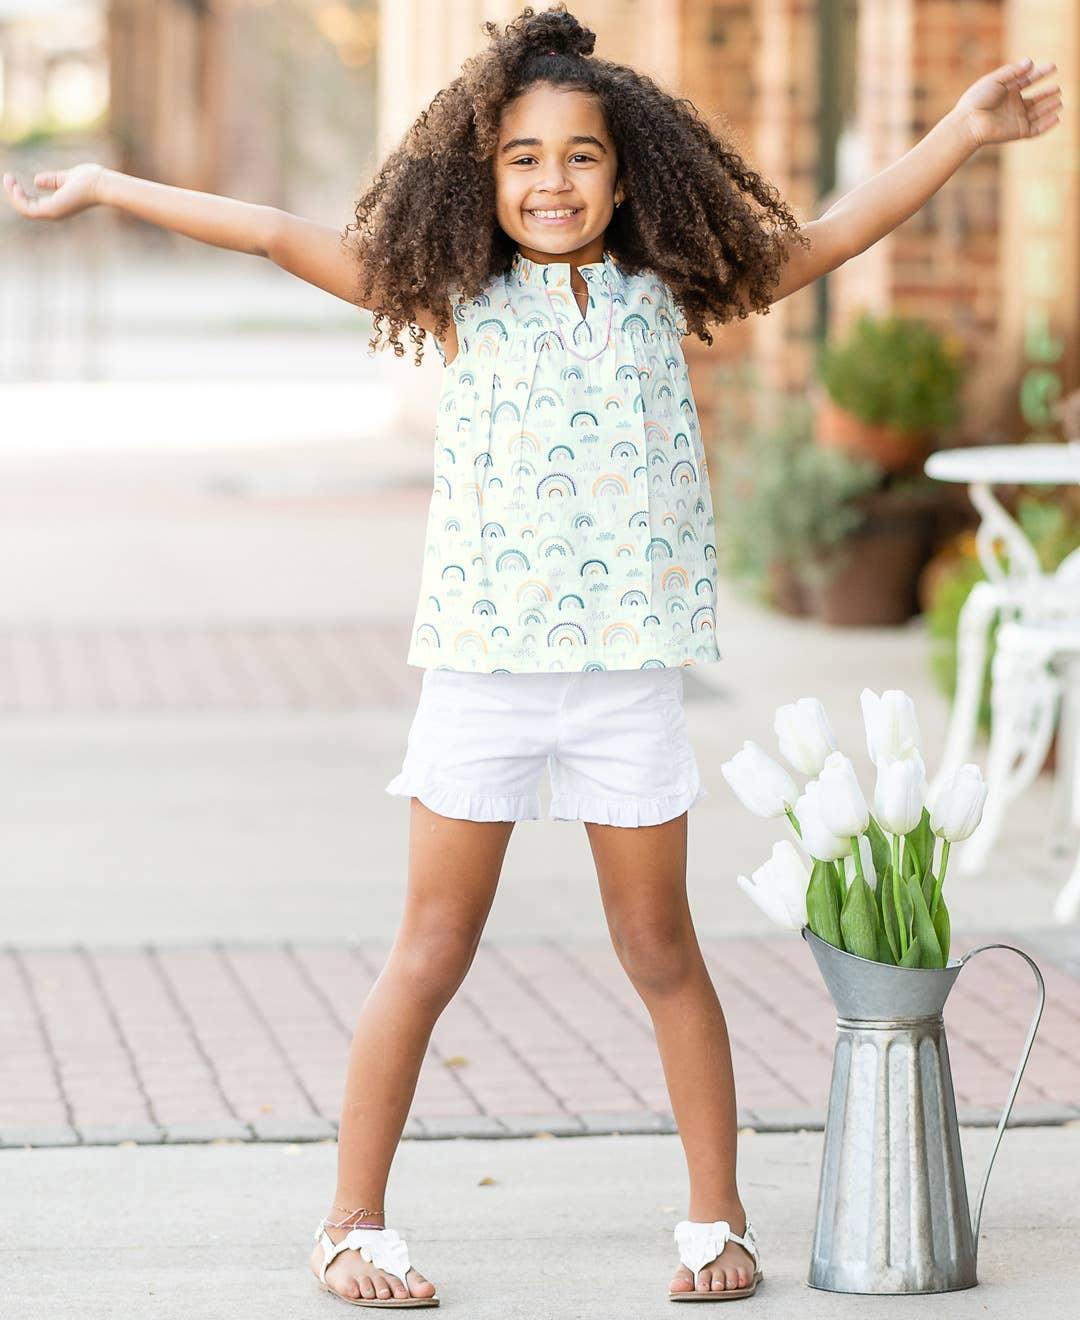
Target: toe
[
  {"x": 682, "y": 1280},
  {"x": 382, "y": 1286},
  {"x": 367, "y": 1288},
  {"x": 419, "y": 1286}
]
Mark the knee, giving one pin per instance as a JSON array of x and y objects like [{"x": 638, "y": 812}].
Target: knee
[
  {"x": 431, "y": 963},
  {"x": 658, "y": 957}
]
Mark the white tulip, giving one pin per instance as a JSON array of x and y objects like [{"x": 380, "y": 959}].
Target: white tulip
[
  {"x": 866, "y": 853},
  {"x": 900, "y": 792},
  {"x": 761, "y": 784},
  {"x": 818, "y": 841},
  {"x": 778, "y": 887},
  {"x": 804, "y": 736},
  {"x": 843, "y": 806},
  {"x": 957, "y": 806},
  {"x": 892, "y": 730}
]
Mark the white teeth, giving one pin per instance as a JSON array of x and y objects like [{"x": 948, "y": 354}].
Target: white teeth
[{"x": 553, "y": 215}]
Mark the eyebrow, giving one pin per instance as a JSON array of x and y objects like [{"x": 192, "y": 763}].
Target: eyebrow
[{"x": 514, "y": 143}]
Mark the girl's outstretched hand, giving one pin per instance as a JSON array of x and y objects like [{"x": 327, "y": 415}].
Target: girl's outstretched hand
[
  {"x": 995, "y": 111},
  {"x": 71, "y": 191}
]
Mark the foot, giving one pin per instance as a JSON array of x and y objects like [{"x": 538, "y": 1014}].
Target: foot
[
  {"x": 733, "y": 1268},
  {"x": 351, "y": 1276}
]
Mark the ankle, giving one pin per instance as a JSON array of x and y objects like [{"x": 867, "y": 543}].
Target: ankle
[
  {"x": 734, "y": 1214},
  {"x": 338, "y": 1223}
]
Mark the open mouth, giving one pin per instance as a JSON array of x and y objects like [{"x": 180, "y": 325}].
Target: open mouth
[{"x": 554, "y": 215}]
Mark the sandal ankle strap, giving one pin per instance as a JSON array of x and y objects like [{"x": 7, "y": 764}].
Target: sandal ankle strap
[
  {"x": 700, "y": 1243},
  {"x": 384, "y": 1248}
]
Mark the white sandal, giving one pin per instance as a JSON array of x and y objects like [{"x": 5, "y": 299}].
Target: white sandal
[
  {"x": 699, "y": 1244},
  {"x": 384, "y": 1248}
]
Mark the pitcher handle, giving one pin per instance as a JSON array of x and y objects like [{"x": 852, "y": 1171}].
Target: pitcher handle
[{"x": 1016, "y": 1076}]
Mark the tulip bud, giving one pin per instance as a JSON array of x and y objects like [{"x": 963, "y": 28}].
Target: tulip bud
[
  {"x": 956, "y": 807},
  {"x": 761, "y": 784},
  {"x": 900, "y": 793},
  {"x": 892, "y": 730},
  {"x": 804, "y": 736},
  {"x": 843, "y": 806},
  {"x": 778, "y": 887},
  {"x": 818, "y": 841}
]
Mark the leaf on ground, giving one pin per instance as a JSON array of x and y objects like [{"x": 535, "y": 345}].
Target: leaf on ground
[
  {"x": 486, "y": 1181},
  {"x": 456, "y": 1061}
]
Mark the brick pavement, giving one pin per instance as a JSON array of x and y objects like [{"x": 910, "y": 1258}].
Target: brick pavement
[{"x": 172, "y": 1044}]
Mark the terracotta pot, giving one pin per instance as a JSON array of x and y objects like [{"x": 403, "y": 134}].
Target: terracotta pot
[
  {"x": 891, "y": 448},
  {"x": 786, "y": 589},
  {"x": 870, "y": 579}
]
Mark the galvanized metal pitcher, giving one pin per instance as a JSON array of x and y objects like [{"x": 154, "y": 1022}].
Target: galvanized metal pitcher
[{"x": 892, "y": 1202}]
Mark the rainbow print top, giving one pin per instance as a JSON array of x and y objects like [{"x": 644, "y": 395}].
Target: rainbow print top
[{"x": 571, "y": 524}]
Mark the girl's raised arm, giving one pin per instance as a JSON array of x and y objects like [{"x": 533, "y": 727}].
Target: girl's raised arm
[
  {"x": 991, "y": 111},
  {"x": 311, "y": 251}
]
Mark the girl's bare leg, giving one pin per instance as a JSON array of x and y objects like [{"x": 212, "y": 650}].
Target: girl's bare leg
[
  {"x": 454, "y": 868},
  {"x": 642, "y": 875}
]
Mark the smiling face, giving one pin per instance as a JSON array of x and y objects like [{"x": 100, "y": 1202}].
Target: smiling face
[{"x": 555, "y": 175}]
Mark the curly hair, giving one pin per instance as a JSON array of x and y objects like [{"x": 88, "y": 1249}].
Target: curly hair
[{"x": 426, "y": 224}]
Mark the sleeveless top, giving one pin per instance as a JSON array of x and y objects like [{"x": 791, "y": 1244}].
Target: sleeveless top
[{"x": 571, "y": 524}]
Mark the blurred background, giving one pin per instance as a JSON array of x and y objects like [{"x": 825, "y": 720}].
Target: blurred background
[{"x": 199, "y": 668}]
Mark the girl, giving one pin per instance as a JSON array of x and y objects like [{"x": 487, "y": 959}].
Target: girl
[{"x": 558, "y": 223}]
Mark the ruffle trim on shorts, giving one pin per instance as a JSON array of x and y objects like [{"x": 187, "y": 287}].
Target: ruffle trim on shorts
[
  {"x": 463, "y": 805},
  {"x": 626, "y": 811}
]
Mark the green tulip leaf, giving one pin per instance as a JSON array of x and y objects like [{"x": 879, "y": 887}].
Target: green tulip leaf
[
  {"x": 909, "y": 864},
  {"x": 823, "y": 905},
  {"x": 920, "y": 841},
  {"x": 887, "y": 910},
  {"x": 911, "y": 958},
  {"x": 879, "y": 847},
  {"x": 928, "y": 888},
  {"x": 943, "y": 929},
  {"x": 923, "y": 927},
  {"x": 857, "y": 920}
]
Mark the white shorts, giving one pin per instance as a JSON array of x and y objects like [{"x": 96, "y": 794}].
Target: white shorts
[{"x": 614, "y": 741}]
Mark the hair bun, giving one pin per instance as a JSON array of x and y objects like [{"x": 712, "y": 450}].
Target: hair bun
[{"x": 554, "y": 31}]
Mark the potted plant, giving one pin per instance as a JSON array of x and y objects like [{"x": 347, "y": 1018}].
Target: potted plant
[
  {"x": 869, "y": 578},
  {"x": 888, "y": 386},
  {"x": 783, "y": 501}
]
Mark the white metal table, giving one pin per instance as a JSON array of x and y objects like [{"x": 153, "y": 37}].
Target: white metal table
[{"x": 1043, "y": 615}]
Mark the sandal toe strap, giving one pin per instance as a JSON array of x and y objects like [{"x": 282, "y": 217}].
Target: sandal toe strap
[
  {"x": 700, "y": 1243},
  {"x": 384, "y": 1248}
]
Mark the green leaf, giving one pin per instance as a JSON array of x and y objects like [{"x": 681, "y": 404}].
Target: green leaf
[
  {"x": 909, "y": 864},
  {"x": 857, "y": 920},
  {"x": 823, "y": 905},
  {"x": 911, "y": 958},
  {"x": 943, "y": 928},
  {"x": 879, "y": 847},
  {"x": 923, "y": 927},
  {"x": 928, "y": 887},
  {"x": 920, "y": 840},
  {"x": 888, "y": 915}
]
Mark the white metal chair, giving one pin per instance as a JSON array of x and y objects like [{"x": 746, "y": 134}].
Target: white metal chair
[{"x": 1035, "y": 688}]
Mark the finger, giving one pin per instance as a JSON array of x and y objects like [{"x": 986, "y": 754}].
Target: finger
[
  {"x": 1037, "y": 100},
  {"x": 48, "y": 180}
]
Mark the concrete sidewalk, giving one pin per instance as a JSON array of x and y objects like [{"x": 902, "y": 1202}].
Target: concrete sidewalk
[{"x": 574, "y": 1229}]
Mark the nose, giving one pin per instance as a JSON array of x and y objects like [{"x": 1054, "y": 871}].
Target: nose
[{"x": 553, "y": 178}]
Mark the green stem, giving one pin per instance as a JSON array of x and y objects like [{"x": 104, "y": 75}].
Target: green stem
[
  {"x": 788, "y": 811},
  {"x": 940, "y": 878},
  {"x": 841, "y": 880},
  {"x": 901, "y": 923}
]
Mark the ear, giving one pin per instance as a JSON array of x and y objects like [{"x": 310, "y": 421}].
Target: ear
[{"x": 620, "y": 193}]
